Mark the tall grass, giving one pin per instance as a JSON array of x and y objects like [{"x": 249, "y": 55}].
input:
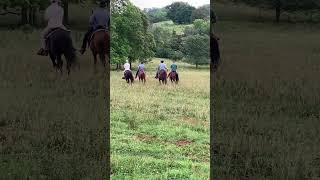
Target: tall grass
[
  {"x": 50, "y": 125},
  {"x": 267, "y": 101}
]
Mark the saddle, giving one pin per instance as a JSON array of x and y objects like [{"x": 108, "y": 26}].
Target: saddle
[
  {"x": 141, "y": 72},
  {"x": 54, "y": 30},
  {"x": 93, "y": 33}
]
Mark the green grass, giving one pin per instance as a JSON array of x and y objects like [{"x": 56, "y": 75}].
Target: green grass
[
  {"x": 267, "y": 100},
  {"x": 50, "y": 126},
  {"x": 160, "y": 132}
]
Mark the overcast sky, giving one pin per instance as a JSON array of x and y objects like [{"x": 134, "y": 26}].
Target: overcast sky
[{"x": 161, "y": 3}]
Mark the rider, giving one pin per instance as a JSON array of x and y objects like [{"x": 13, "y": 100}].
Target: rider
[
  {"x": 98, "y": 20},
  {"x": 54, "y": 15},
  {"x": 174, "y": 68},
  {"x": 126, "y": 68},
  {"x": 162, "y": 66},
  {"x": 140, "y": 68}
]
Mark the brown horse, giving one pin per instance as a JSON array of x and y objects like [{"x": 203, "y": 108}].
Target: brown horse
[
  {"x": 142, "y": 76},
  {"x": 128, "y": 76},
  {"x": 163, "y": 77},
  {"x": 173, "y": 77},
  {"x": 99, "y": 45}
]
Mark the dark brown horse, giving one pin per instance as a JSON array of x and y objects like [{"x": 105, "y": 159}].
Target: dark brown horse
[
  {"x": 163, "y": 76},
  {"x": 99, "y": 45},
  {"x": 142, "y": 76},
  {"x": 173, "y": 77},
  {"x": 59, "y": 43},
  {"x": 128, "y": 76}
]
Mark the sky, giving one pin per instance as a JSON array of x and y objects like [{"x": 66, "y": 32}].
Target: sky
[{"x": 162, "y": 3}]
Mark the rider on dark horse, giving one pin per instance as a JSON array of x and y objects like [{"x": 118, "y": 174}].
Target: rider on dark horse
[
  {"x": 174, "y": 68},
  {"x": 99, "y": 20},
  {"x": 162, "y": 66},
  {"x": 126, "y": 67},
  {"x": 140, "y": 68},
  {"x": 54, "y": 16}
]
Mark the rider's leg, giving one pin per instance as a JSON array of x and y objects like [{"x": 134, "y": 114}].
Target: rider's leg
[
  {"x": 137, "y": 73},
  {"x": 177, "y": 76},
  {"x": 85, "y": 40},
  {"x": 43, "y": 50},
  {"x": 157, "y": 74}
]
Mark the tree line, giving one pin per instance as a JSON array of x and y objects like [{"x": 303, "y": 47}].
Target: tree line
[
  {"x": 279, "y": 6},
  {"x": 134, "y": 37},
  {"x": 178, "y": 12}
]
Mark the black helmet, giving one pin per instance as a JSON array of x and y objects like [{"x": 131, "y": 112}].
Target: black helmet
[{"x": 103, "y": 3}]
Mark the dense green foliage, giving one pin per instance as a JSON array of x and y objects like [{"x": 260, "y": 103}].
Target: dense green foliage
[
  {"x": 157, "y": 14},
  {"x": 131, "y": 37},
  {"x": 180, "y": 12}
]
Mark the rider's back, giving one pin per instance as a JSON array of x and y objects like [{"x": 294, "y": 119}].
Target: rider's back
[
  {"x": 99, "y": 18},
  {"x": 54, "y": 15}
]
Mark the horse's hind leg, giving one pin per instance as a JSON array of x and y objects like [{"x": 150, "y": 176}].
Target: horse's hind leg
[
  {"x": 60, "y": 63},
  {"x": 103, "y": 59}
]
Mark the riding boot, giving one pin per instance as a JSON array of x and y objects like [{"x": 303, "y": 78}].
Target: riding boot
[
  {"x": 177, "y": 76},
  {"x": 85, "y": 41},
  {"x": 42, "y": 52},
  {"x": 137, "y": 74}
]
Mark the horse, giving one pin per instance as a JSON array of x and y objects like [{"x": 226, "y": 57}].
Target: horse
[
  {"x": 99, "y": 45},
  {"x": 173, "y": 77},
  {"x": 59, "y": 42},
  {"x": 142, "y": 76},
  {"x": 128, "y": 77},
  {"x": 163, "y": 76}
]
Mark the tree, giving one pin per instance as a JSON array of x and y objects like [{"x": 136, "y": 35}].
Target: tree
[
  {"x": 196, "y": 49},
  {"x": 180, "y": 12},
  {"x": 131, "y": 37},
  {"x": 203, "y": 12},
  {"x": 283, "y": 5},
  {"x": 156, "y": 14}
]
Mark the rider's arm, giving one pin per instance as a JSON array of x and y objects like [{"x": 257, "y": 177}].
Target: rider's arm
[
  {"x": 47, "y": 14},
  {"x": 91, "y": 20}
]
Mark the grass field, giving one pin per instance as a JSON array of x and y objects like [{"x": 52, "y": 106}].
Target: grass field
[
  {"x": 268, "y": 99},
  {"x": 50, "y": 126},
  {"x": 161, "y": 132}
]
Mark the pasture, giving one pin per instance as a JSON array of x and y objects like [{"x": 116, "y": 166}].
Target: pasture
[
  {"x": 158, "y": 131},
  {"x": 267, "y": 96},
  {"x": 50, "y": 125}
]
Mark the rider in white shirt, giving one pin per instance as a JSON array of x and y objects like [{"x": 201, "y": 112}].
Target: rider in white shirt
[
  {"x": 126, "y": 68},
  {"x": 54, "y": 15}
]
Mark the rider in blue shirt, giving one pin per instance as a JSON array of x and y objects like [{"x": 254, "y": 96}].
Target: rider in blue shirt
[
  {"x": 141, "y": 67},
  {"x": 162, "y": 66},
  {"x": 99, "y": 20}
]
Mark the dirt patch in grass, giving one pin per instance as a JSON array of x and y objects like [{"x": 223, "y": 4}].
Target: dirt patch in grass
[{"x": 195, "y": 122}]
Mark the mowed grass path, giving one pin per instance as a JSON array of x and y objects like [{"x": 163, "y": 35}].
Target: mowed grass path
[{"x": 160, "y": 132}]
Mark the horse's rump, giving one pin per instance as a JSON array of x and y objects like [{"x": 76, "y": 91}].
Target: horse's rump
[
  {"x": 141, "y": 73},
  {"x": 99, "y": 41},
  {"x": 162, "y": 74}
]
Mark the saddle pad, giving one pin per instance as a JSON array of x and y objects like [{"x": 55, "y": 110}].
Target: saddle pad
[
  {"x": 98, "y": 30},
  {"x": 55, "y": 30}
]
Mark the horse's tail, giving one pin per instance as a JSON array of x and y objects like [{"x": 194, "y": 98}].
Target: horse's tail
[{"x": 70, "y": 53}]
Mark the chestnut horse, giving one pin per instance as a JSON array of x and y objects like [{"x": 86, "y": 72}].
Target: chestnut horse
[
  {"x": 99, "y": 45},
  {"x": 173, "y": 77},
  {"x": 163, "y": 76},
  {"x": 142, "y": 76}
]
